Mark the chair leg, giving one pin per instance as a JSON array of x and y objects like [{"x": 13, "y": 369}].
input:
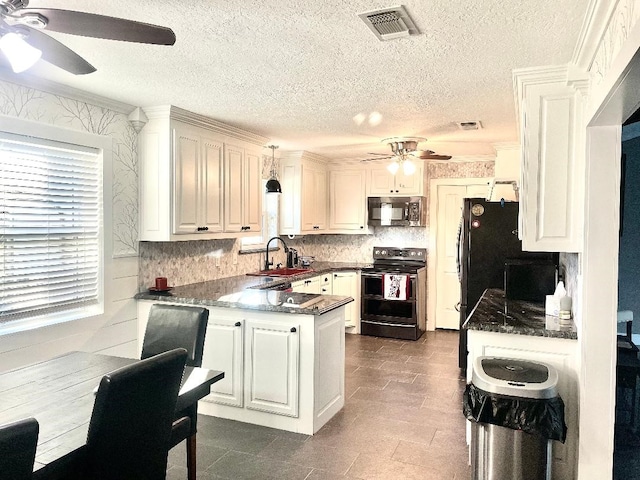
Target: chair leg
[{"x": 191, "y": 457}]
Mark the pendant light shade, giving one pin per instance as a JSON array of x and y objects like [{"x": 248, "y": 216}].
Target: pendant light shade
[{"x": 273, "y": 185}]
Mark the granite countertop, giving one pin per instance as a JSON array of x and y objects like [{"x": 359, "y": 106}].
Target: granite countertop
[
  {"x": 495, "y": 313},
  {"x": 256, "y": 292}
]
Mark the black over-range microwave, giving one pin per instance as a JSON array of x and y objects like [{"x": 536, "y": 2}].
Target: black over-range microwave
[{"x": 397, "y": 211}]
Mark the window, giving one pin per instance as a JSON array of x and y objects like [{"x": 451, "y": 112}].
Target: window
[
  {"x": 270, "y": 204},
  {"x": 50, "y": 226}
]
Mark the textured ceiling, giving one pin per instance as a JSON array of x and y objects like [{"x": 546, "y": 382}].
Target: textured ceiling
[{"x": 300, "y": 71}]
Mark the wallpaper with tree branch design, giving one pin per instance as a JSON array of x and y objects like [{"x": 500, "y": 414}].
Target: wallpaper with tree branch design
[{"x": 30, "y": 104}]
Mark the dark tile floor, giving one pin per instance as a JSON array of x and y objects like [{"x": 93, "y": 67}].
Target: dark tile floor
[{"x": 402, "y": 421}]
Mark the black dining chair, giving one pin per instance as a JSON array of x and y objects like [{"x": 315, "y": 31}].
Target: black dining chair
[
  {"x": 179, "y": 326},
  {"x": 130, "y": 427},
  {"x": 18, "y": 441}
]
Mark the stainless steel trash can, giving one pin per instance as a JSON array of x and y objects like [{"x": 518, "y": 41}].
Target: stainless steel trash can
[{"x": 501, "y": 453}]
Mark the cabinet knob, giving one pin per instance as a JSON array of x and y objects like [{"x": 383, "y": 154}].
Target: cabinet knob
[
  {"x": 293, "y": 330},
  {"x": 397, "y": 191},
  {"x": 248, "y": 227},
  {"x": 361, "y": 226},
  {"x": 238, "y": 324}
]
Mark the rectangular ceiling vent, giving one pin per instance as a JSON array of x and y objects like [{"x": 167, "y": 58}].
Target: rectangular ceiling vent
[{"x": 390, "y": 23}]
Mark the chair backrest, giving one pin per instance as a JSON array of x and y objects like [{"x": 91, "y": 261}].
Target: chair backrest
[
  {"x": 18, "y": 442},
  {"x": 176, "y": 326},
  {"x": 130, "y": 428}
]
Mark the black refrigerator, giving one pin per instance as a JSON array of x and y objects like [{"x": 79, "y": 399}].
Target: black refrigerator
[{"x": 488, "y": 239}]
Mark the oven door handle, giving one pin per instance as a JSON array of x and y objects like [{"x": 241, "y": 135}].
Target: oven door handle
[{"x": 381, "y": 274}]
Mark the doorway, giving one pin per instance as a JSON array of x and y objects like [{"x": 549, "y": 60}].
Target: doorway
[{"x": 445, "y": 207}]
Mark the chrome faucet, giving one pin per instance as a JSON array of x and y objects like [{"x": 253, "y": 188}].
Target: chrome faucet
[{"x": 267, "y": 263}]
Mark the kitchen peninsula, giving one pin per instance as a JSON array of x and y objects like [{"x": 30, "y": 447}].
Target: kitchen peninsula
[
  {"x": 282, "y": 352},
  {"x": 501, "y": 327}
]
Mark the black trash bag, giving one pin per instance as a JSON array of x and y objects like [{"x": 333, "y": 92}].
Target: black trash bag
[{"x": 543, "y": 417}]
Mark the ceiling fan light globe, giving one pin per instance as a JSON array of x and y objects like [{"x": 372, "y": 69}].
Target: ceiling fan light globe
[
  {"x": 408, "y": 167},
  {"x": 393, "y": 168},
  {"x": 20, "y": 54}
]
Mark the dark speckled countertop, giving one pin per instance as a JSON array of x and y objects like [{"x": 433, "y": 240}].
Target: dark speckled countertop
[
  {"x": 256, "y": 292},
  {"x": 494, "y": 313}
]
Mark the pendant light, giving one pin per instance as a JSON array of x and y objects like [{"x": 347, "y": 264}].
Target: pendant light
[{"x": 273, "y": 185}]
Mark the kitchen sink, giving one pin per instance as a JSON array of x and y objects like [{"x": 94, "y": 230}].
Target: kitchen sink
[{"x": 280, "y": 272}]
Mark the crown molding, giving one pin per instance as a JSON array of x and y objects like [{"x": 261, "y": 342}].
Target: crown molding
[
  {"x": 197, "y": 120},
  {"x": 596, "y": 21},
  {"x": 54, "y": 88}
]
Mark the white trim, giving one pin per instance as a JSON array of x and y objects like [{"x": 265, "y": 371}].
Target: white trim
[
  {"x": 431, "y": 252},
  {"x": 596, "y": 21},
  {"x": 37, "y": 83},
  {"x": 19, "y": 126}
]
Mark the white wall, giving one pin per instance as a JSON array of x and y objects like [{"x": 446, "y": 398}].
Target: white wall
[{"x": 115, "y": 331}]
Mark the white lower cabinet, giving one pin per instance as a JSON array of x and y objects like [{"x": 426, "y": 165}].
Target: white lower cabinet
[
  {"x": 225, "y": 351},
  {"x": 272, "y": 367},
  {"x": 559, "y": 353},
  {"x": 309, "y": 285},
  {"x": 347, "y": 284}
]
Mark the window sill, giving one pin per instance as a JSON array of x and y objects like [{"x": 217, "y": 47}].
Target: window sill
[{"x": 32, "y": 323}]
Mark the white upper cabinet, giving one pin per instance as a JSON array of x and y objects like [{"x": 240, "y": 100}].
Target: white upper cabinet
[
  {"x": 551, "y": 103},
  {"x": 383, "y": 184},
  {"x": 347, "y": 201},
  {"x": 303, "y": 204},
  {"x": 199, "y": 179},
  {"x": 243, "y": 189}
]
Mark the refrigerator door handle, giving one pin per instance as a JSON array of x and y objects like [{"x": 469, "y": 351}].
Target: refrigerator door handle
[{"x": 459, "y": 250}]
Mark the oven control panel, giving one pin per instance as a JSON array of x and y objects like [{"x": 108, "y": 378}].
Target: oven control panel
[{"x": 395, "y": 253}]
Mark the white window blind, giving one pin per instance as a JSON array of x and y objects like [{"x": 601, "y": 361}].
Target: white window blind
[{"x": 50, "y": 218}]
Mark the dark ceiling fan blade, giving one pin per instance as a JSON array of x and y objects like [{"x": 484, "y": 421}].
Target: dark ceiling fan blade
[
  {"x": 99, "y": 26},
  {"x": 429, "y": 155},
  {"x": 56, "y": 53},
  {"x": 377, "y": 158}
]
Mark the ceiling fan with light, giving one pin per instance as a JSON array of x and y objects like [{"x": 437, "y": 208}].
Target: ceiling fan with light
[
  {"x": 403, "y": 148},
  {"x": 23, "y": 42}
]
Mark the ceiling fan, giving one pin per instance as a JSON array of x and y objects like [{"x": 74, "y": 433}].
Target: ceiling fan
[
  {"x": 402, "y": 149},
  {"x": 23, "y": 42}
]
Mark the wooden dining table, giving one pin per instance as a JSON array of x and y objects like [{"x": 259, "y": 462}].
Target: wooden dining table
[{"x": 60, "y": 393}]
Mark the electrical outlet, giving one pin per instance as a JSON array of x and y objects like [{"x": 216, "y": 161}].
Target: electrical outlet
[{"x": 218, "y": 261}]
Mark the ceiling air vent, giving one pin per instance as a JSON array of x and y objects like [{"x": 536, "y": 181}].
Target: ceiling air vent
[
  {"x": 390, "y": 23},
  {"x": 472, "y": 125}
]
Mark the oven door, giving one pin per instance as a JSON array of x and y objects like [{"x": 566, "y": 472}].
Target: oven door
[{"x": 376, "y": 308}]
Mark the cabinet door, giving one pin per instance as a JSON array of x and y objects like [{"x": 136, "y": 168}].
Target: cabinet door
[
  {"x": 272, "y": 367},
  {"x": 347, "y": 200},
  {"x": 321, "y": 199},
  {"x": 410, "y": 185},
  {"x": 211, "y": 199},
  {"x": 223, "y": 350},
  {"x": 252, "y": 194},
  {"x": 314, "y": 199},
  {"x": 186, "y": 180},
  {"x": 381, "y": 182},
  {"x": 326, "y": 284},
  {"x": 552, "y": 174},
  {"x": 234, "y": 179},
  {"x": 346, "y": 284},
  {"x": 310, "y": 285}
]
